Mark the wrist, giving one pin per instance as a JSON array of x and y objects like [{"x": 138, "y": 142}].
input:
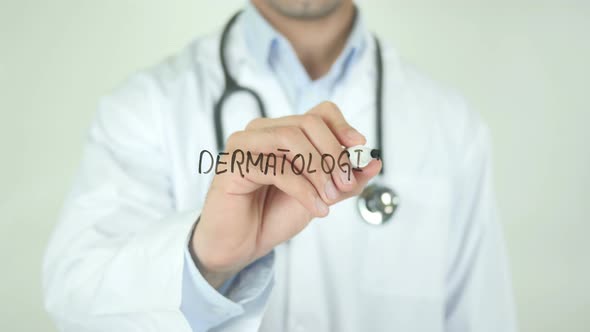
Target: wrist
[{"x": 215, "y": 277}]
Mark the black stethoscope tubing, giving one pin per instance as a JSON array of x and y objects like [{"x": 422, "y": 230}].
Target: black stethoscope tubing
[
  {"x": 232, "y": 86},
  {"x": 376, "y": 203}
]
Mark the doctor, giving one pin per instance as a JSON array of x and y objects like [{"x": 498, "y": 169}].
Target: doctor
[{"x": 147, "y": 243}]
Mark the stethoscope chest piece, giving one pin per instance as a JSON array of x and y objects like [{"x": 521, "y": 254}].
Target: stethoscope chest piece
[{"x": 377, "y": 204}]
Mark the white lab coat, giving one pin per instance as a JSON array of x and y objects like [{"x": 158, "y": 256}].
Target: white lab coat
[{"x": 115, "y": 261}]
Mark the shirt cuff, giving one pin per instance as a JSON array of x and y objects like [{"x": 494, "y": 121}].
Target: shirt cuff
[{"x": 205, "y": 307}]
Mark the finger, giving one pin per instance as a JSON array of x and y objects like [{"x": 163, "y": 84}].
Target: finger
[
  {"x": 344, "y": 132},
  {"x": 364, "y": 176},
  {"x": 291, "y": 144},
  {"x": 297, "y": 187},
  {"x": 324, "y": 140}
]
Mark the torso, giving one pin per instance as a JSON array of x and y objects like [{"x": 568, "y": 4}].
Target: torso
[{"x": 339, "y": 274}]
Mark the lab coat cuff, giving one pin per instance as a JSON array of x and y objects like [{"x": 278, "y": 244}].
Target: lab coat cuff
[
  {"x": 150, "y": 260},
  {"x": 205, "y": 307}
]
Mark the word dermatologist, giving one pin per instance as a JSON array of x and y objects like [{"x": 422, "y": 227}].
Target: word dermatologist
[{"x": 243, "y": 162}]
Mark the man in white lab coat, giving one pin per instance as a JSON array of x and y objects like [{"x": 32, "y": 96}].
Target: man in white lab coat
[{"x": 146, "y": 242}]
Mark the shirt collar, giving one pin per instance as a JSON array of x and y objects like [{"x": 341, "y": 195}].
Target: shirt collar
[
  {"x": 259, "y": 34},
  {"x": 263, "y": 40}
]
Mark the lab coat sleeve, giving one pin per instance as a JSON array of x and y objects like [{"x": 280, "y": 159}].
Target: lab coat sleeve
[
  {"x": 116, "y": 260},
  {"x": 239, "y": 303},
  {"x": 479, "y": 294}
]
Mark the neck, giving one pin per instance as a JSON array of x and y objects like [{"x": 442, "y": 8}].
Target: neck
[{"x": 317, "y": 42}]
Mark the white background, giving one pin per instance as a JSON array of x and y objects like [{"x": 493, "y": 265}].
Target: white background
[{"x": 525, "y": 65}]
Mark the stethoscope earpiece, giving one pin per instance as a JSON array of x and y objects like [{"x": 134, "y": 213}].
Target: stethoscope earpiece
[{"x": 377, "y": 204}]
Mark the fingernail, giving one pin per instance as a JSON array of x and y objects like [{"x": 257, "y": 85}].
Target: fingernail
[
  {"x": 331, "y": 191},
  {"x": 321, "y": 206},
  {"x": 354, "y": 135},
  {"x": 347, "y": 177}
]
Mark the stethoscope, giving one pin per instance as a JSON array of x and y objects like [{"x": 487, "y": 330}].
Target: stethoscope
[{"x": 377, "y": 203}]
